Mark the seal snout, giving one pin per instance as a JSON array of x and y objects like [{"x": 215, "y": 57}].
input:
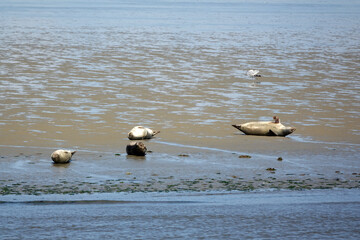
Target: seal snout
[{"x": 55, "y": 156}]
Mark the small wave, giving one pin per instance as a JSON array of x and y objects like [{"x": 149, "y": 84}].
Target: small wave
[{"x": 308, "y": 139}]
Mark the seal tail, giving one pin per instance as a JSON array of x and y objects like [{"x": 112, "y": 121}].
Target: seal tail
[{"x": 155, "y": 132}]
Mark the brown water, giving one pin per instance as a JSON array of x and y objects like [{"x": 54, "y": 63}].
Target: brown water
[{"x": 82, "y": 77}]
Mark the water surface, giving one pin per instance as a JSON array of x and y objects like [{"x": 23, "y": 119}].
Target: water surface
[
  {"x": 83, "y": 74},
  {"x": 277, "y": 215}
]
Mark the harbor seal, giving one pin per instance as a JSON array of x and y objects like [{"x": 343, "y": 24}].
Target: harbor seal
[
  {"x": 274, "y": 128},
  {"x": 62, "y": 156},
  {"x": 140, "y": 132},
  {"x": 136, "y": 148}
]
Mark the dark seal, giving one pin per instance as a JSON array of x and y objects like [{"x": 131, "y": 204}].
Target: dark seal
[{"x": 136, "y": 148}]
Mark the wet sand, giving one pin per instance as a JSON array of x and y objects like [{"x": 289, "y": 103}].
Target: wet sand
[{"x": 179, "y": 168}]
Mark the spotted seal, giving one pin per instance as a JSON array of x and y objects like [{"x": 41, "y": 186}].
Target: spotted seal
[{"x": 274, "y": 128}]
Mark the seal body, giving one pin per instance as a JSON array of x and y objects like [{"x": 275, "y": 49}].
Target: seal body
[
  {"x": 62, "y": 156},
  {"x": 265, "y": 128},
  {"x": 136, "y": 148},
  {"x": 140, "y": 132}
]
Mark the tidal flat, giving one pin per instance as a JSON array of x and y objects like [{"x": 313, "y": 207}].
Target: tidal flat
[{"x": 90, "y": 172}]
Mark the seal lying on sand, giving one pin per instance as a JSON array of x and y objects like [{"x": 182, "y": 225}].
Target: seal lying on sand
[
  {"x": 62, "y": 156},
  {"x": 274, "y": 128},
  {"x": 136, "y": 148},
  {"x": 140, "y": 132}
]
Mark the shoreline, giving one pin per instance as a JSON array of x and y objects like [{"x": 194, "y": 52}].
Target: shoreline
[
  {"x": 176, "y": 197},
  {"x": 32, "y": 172},
  {"x": 163, "y": 184}
]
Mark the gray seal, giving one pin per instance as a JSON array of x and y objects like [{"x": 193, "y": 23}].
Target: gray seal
[{"x": 274, "y": 128}]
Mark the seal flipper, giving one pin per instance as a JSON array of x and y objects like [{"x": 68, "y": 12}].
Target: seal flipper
[
  {"x": 155, "y": 132},
  {"x": 271, "y": 133},
  {"x": 237, "y": 127}
]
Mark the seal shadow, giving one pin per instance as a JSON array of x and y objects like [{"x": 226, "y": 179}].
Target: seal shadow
[
  {"x": 61, "y": 165},
  {"x": 136, "y": 158}
]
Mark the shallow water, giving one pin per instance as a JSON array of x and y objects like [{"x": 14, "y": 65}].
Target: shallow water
[
  {"x": 82, "y": 77},
  {"x": 261, "y": 215}
]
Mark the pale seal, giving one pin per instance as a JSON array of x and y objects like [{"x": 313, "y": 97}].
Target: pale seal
[
  {"x": 136, "y": 148},
  {"x": 274, "y": 128},
  {"x": 140, "y": 132},
  {"x": 62, "y": 156}
]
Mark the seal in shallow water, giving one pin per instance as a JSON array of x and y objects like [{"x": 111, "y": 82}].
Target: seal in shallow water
[
  {"x": 274, "y": 128},
  {"x": 62, "y": 156},
  {"x": 140, "y": 132}
]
